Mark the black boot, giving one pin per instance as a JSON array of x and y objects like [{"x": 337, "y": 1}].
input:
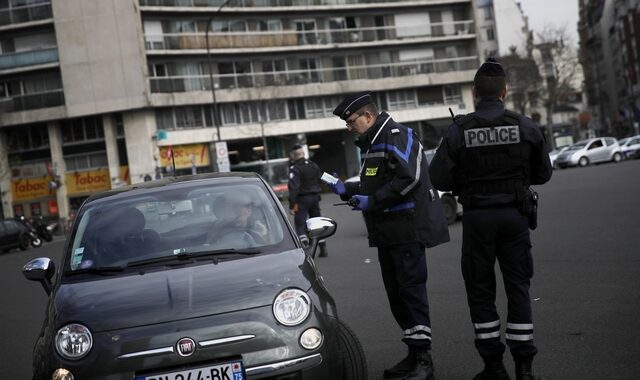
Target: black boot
[
  {"x": 493, "y": 370},
  {"x": 423, "y": 369},
  {"x": 402, "y": 367},
  {"x": 524, "y": 370}
]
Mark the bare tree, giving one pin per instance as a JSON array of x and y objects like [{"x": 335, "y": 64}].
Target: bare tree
[{"x": 524, "y": 82}]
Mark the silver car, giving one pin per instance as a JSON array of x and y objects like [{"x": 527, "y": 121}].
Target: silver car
[{"x": 591, "y": 151}]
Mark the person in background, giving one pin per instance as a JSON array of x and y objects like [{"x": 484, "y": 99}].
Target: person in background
[
  {"x": 489, "y": 158},
  {"x": 304, "y": 192},
  {"x": 403, "y": 215}
]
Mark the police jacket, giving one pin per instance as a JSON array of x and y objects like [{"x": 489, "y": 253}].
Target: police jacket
[
  {"x": 394, "y": 172},
  {"x": 489, "y": 157},
  {"x": 304, "y": 179}
]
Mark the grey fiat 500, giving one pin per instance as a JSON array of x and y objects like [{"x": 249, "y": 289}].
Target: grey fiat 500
[{"x": 190, "y": 278}]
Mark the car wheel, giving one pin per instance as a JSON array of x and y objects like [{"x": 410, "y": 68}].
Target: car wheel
[
  {"x": 450, "y": 208},
  {"x": 354, "y": 363},
  {"x": 36, "y": 242},
  {"x": 24, "y": 241},
  {"x": 617, "y": 157},
  {"x": 583, "y": 162}
]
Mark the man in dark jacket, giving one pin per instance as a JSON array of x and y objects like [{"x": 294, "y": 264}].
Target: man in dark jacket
[
  {"x": 488, "y": 159},
  {"x": 304, "y": 192},
  {"x": 403, "y": 214}
]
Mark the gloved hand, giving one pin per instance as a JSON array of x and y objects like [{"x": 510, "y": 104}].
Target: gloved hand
[
  {"x": 294, "y": 210},
  {"x": 338, "y": 187},
  {"x": 361, "y": 202}
]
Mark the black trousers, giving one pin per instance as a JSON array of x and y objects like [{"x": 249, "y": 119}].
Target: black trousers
[
  {"x": 404, "y": 273},
  {"x": 502, "y": 234},
  {"x": 309, "y": 207}
]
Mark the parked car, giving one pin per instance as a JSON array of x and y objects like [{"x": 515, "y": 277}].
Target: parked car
[
  {"x": 591, "y": 151},
  {"x": 13, "y": 234},
  {"x": 630, "y": 147},
  {"x": 198, "y": 277},
  {"x": 553, "y": 155}
]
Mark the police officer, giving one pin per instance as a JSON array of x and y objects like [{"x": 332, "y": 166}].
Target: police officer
[
  {"x": 304, "y": 192},
  {"x": 403, "y": 214},
  {"x": 489, "y": 158}
]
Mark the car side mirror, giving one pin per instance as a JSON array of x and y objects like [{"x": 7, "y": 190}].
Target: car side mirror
[
  {"x": 319, "y": 228},
  {"x": 41, "y": 269}
]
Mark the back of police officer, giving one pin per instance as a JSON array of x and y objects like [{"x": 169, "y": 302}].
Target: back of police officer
[
  {"x": 304, "y": 192},
  {"x": 489, "y": 158}
]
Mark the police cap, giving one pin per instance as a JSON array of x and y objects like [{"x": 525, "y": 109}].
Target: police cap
[
  {"x": 296, "y": 147},
  {"x": 491, "y": 68},
  {"x": 351, "y": 103}
]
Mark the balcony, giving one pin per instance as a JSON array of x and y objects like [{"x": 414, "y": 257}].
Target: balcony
[
  {"x": 32, "y": 101},
  {"x": 277, "y": 3},
  {"x": 28, "y": 58},
  {"x": 317, "y": 37},
  {"x": 26, "y": 13},
  {"x": 298, "y": 77}
]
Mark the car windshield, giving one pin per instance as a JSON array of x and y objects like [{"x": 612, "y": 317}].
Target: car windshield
[
  {"x": 175, "y": 221},
  {"x": 624, "y": 141},
  {"x": 578, "y": 146}
]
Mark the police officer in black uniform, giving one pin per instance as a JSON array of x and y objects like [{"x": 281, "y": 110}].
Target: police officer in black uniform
[
  {"x": 403, "y": 214},
  {"x": 304, "y": 192},
  {"x": 489, "y": 158}
]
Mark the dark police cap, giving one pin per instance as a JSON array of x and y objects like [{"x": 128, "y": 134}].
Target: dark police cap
[
  {"x": 296, "y": 147},
  {"x": 491, "y": 68},
  {"x": 351, "y": 103}
]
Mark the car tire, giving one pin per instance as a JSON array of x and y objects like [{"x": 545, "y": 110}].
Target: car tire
[
  {"x": 450, "y": 208},
  {"x": 617, "y": 157},
  {"x": 354, "y": 363},
  {"x": 583, "y": 161},
  {"x": 24, "y": 242}
]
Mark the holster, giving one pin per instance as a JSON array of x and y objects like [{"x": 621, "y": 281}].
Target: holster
[{"x": 530, "y": 207}]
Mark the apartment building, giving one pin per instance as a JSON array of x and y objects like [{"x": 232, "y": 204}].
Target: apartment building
[{"x": 96, "y": 94}]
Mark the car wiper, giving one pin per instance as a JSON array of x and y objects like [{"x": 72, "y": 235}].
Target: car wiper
[
  {"x": 95, "y": 270},
  {"x": 183, "y": 255}
]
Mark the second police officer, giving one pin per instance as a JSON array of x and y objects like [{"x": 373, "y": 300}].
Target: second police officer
[
  {"x": 489, "y": 158},
  {"x": 403, "y": 215}
]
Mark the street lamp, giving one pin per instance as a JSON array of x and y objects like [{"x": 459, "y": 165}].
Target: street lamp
[{"x": 213, "y": 89}]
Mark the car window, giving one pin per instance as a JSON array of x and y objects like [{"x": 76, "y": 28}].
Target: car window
[
  {"x": 595, "y": 144},
  {"x": 610, "y": 141},
  {"x": 634, "y": 141},
  {"x": 578, "y": 146},
  {"x": 169, "y": 221},
  {"x": 11, "y": 226}
]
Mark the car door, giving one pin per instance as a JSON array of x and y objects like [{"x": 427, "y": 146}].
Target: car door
[
  {"x": 3, "y": 235},
  {"x": 596, "y": 151},
  {"x": 12, "y": 232}
]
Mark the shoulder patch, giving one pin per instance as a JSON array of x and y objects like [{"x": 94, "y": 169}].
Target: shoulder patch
[
  {"x": 487, "y": 136},
  {"x": 395, "y": 131}
]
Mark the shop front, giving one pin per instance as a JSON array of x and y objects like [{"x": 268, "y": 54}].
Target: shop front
[
  {"x": 82, "y": 184},
  {"x": 34, "y": 197}
]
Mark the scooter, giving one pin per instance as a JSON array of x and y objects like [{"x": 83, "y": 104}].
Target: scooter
[
  {"x": 36, "y": 241},
  {"x": 42, "y": 229}
]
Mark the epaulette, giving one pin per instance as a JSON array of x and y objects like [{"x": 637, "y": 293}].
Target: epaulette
[{"x": 511, "y": 117}]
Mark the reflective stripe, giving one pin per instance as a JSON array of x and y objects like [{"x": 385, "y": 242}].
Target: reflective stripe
[
  {"x": 371, "y": 155},
  {"x": 417, "y": 328},
  {"x": 486, "y": 325},
  {"x": 401, "y": 206},
  {"x": 490, "y": 335},
  {"x": 519, "y": 337},
  {"x": 520, "y": 326},
  {"x": 417, "y": 336},
  {"x": 418, "y": 164}
]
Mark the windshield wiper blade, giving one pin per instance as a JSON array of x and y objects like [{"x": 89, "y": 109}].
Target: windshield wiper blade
[
  {"x": 184, "y": 255},
  {"x": 95, "y": 270}
]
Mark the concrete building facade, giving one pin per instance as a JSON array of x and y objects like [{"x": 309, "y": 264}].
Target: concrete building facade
[{"x": 96, "y": 94}]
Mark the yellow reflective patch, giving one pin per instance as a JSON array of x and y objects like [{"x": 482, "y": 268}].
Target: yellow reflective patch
[{"x": 370, "y": 172}]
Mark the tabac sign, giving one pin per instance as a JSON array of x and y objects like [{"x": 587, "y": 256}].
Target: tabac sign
[
  {"x": 31, "y": 188},
  {"x": 185, "y": 156},
  {"x": 91, "y": 181}
]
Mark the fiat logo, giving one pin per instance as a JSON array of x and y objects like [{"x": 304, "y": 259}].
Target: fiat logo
[{"x": 186, "y": 347}]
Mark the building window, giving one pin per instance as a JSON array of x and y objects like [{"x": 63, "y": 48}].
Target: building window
[
  {"x": 85, "y": 129},
  {"x": 27, "y": 138},
  {"x": 490, "y": 34},
  {"x": 86, "y": 161},
  {"x": 184, "y": 117},
  {"x": 452, "y": 94},
  {"x": 402, "y": 99},
  {"x": 488, "y": 13}
]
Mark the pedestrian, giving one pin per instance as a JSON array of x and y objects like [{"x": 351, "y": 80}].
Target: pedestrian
[
  {"x": 403, "y": 215},
  {"x": 304, "y": 193},
  {"x": 489, "y": 158}
]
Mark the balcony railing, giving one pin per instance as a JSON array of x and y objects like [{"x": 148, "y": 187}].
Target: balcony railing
[
  {"x": 296, "y": 77},
  {"x": 25, "y": 13},
  {"x": 28, "y": 58},
  {"x": 253, "y": 39},
  {"x": 43, "y": 99},
  {"x": 265, "y": 3}
]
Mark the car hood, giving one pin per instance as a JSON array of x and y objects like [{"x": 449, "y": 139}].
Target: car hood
[{"x": 125, "y": 301}]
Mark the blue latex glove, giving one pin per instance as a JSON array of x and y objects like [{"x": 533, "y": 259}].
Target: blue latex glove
[
  {"x": 338, "y": 187},
  {"x": 361, "y": 202}
]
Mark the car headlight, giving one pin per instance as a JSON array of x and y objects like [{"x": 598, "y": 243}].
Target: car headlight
[
  {"x": 291, "y": 307},
  {"x": 73, "y": 341}
]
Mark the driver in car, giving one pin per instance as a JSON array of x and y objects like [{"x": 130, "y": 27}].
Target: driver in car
[{"x": 235, "y": 227}]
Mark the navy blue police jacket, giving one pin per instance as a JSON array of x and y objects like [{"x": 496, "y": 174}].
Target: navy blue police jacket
[
  {"x": 448, "y": 169},
  {"x": 394, "y": 172}
]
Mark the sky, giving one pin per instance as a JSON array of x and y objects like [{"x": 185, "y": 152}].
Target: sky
[{"x": 556, "y": 13}]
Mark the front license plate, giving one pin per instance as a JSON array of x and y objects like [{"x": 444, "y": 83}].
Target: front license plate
[{"x": 226, "y": 371}]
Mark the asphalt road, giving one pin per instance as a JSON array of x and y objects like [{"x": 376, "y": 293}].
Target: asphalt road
[{"x": 586, "y": 288}]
